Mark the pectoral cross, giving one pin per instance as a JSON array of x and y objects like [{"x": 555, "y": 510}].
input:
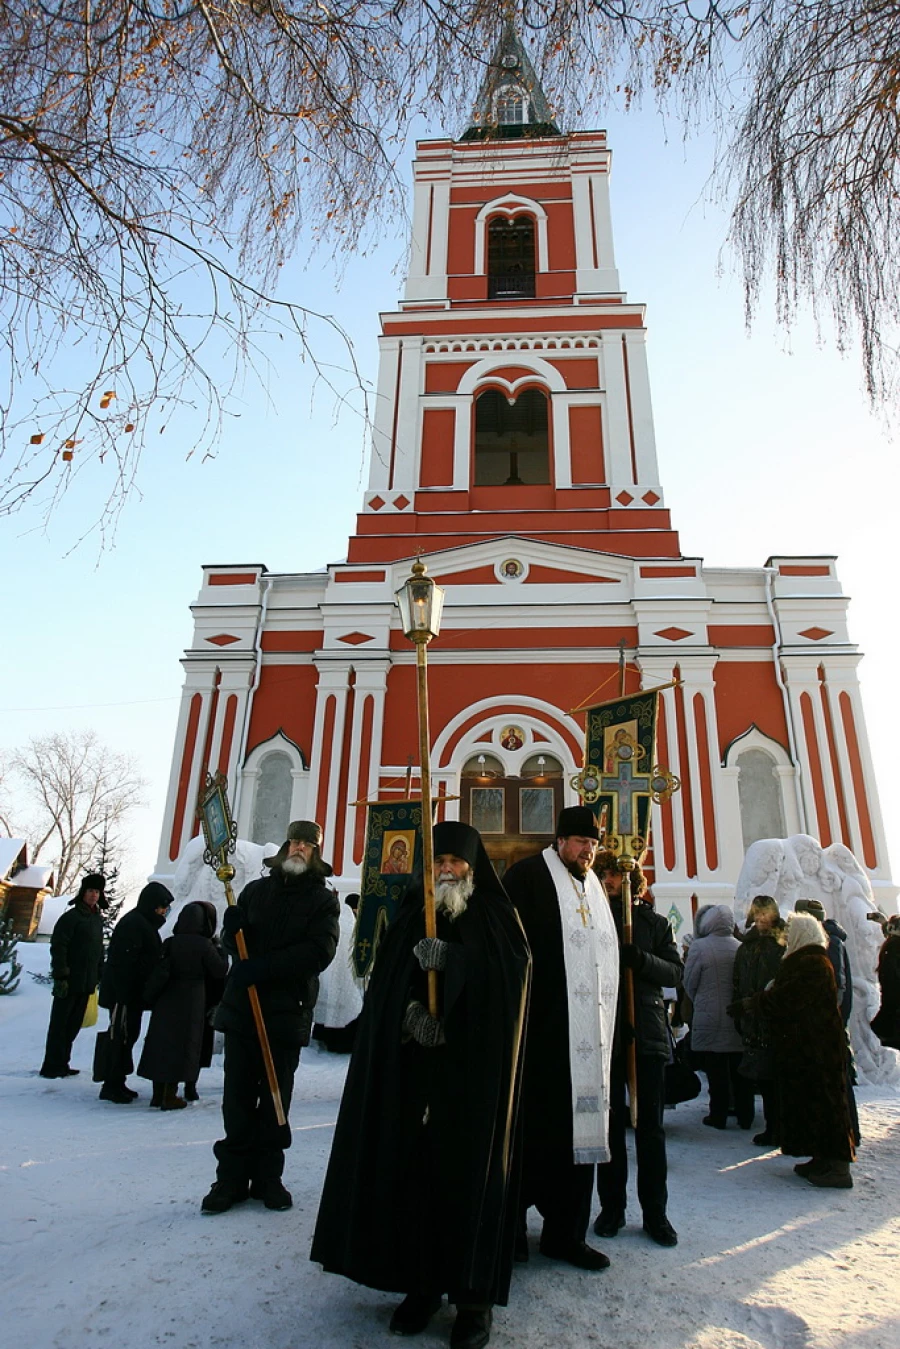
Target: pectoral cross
[{"x": 584, "y": 911}]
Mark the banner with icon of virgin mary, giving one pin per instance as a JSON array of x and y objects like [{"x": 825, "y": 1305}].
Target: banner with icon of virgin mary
[{"x": 392, "y": 856}]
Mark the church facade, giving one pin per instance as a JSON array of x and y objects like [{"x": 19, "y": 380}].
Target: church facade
[{"x": 514, "y": 451}]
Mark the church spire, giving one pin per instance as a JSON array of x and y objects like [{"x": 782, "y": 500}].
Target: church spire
[{"x": 511, "y": 102}]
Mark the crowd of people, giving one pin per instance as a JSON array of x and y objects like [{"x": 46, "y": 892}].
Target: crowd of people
[{"x": 494, "y": 1063}]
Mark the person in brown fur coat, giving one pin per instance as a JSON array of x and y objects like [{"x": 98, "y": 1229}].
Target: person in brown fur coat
[{"x": 807, "y": 1035}]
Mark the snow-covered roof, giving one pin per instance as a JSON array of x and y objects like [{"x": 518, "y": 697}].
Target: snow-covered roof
[
  {"x": 9, "y": 851},
  {"x": 33, "y": 878}
]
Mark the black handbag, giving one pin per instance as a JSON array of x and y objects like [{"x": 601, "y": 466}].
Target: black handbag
[
  {"x": 102, "y": 1057},
  {"x": 112, "y": 1057},
  {"x": 757, "y": 1063},
  {"x": 681, "y": 1082}
]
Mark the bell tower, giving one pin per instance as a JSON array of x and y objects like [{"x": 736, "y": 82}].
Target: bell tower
[
  {"x": 513, "y": 393},
  {"x": 514, "y": 448}
]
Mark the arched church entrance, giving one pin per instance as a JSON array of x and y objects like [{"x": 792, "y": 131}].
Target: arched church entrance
[{"x": 515, "y": 815}]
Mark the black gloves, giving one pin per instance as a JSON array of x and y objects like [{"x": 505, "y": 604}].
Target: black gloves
[
  {"x": 632, "y": 957},
  {"x": 60, "y": 988},
  {"x": 431, "y": 953},
  {"x": 247, "y": 972},
  {"x": 232, "y": 920},
  {"x": 425, "y": 1029}
]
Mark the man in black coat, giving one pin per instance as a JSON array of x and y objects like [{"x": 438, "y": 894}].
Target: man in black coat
[
  {"x": 291, "y": 923},
  {"x": 135, "y": 948},
  {"x": 420, "y": 1193},
  {"x": 76, "y": 958},
  {"x": 652, "y": 956}
]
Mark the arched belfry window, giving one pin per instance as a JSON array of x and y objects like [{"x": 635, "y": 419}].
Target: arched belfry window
[
  {"x": 512, "y": 445},
  {"x": 510, "y": 257}
]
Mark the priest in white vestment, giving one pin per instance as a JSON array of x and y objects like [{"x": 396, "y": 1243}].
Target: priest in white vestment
[{"x": 568, "y": 1046}]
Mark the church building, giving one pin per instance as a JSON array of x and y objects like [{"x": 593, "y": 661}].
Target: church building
[{"x": 514, "y": 451}]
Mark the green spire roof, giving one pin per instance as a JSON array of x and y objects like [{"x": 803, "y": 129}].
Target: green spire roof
[{"x": 511, "y": 102}]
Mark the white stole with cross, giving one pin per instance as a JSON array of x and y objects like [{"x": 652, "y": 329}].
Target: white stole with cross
[{"x": 591, "y": 953}]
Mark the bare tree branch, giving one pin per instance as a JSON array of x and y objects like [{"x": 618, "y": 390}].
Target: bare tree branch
[{"x": 70, "y": 788}]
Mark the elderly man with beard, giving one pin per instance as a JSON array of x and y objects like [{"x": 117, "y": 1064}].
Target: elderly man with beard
[
  {"x": 290, "y": 921},
  {"x": 420, "y": 1192},
  {"x": 566, "y": 1083}
]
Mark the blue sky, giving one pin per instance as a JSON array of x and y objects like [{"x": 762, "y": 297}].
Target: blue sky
[{"x": 765, "y": 446}]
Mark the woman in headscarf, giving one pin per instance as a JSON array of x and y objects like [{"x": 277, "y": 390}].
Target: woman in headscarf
[
  {"x": 807, "y": 1035},
  {"x": 708, "y": 982}
]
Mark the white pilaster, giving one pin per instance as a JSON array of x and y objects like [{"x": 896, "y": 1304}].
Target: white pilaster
[
  {"x": 641, "y": 409},
  {"x": 408, "y": 420},
  {"x": 618, "y": 451}
]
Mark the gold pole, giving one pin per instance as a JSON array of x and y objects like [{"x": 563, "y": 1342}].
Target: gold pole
[
  {"x": 626, "y": 866},
  {"x": 225, "y": 873},
  {"x": 427, "y": 834}
]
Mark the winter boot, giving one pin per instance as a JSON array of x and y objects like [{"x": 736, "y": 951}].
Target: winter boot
[
  {"x": 190, "y": 1091},
  {"x": 806, "y": 1169},
  {"x": 115, "y": 1092},
  {"x": 834, "y": 1176},
  {"x": 272, "y": 1193},
  {"x": 171, "y": 1100},
  {"x": 223, "y": 1196},
  {"x": 159, "y": 1091}
]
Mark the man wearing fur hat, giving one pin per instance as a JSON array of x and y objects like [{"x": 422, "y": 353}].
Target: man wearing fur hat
[
  {"x": 420, "y": 1189},
  {"x": 76, "y": 957},
  {"x": 566, "y": 1084},
  {"x": 291, "y": 922}
]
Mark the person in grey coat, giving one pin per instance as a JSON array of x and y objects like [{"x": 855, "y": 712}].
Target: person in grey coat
[
  {"x": 197, "y": 967},
  {"x": 708, "y": 982}
]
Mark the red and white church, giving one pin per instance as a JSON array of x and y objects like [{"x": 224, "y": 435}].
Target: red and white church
[{"x": 514, "y": 449}]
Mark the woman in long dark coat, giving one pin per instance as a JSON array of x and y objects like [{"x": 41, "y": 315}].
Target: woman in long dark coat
[
  {"x": 807, "y": 1035},
  {"x": 173, "y": 1049},
  {"x": 755, "y": 966},
  {"x": 886, "y": 1023}
]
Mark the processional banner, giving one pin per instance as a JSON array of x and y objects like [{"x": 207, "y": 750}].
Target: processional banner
[
  {"x": 392, "y": 856},
  {"x": 620, "y": 776}
]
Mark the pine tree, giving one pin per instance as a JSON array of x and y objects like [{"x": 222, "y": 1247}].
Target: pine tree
[
  {"x": 9, "y": 978},
  {"x": 104, "y": 861}
]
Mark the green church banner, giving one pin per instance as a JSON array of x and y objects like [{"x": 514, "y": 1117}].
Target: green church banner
[
  {"x": 393, "y": 855},
  {"x": 620, "y": 776}
]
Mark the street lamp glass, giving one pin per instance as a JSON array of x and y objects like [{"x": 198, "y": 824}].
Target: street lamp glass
[{"x": 420, "y": 602}]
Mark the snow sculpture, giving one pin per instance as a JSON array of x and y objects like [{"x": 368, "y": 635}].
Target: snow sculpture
[
  {"x": 799, "y": 867},
  {"x": 195, "y": 880},
  {"x": 340, "y": 995}
]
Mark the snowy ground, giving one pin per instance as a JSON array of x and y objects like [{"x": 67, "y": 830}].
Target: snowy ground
[{"x": 103, "y": 1242}]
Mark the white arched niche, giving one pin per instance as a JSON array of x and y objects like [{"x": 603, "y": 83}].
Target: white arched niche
[
  {"x": 275, "y": 780},
  {"x": 765, "y": 786}
]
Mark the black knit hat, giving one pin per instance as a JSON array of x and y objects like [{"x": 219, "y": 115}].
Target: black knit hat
[
  {"x": 461, "y": 840},
  {"x": 813, "y": 906},
  {"x": 578, "y": 820}
]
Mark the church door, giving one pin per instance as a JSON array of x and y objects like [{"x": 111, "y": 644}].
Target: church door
[{"x": 516, "y": 816}]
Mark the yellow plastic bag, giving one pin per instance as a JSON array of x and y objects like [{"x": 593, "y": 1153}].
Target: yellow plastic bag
[{"x": 90, "y": 1012}]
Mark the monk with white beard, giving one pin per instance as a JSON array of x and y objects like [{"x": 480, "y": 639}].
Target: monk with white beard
[{"x": 421, "y": 1190}]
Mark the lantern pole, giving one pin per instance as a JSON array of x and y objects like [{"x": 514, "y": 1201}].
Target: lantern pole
[{"x": 420, "y": 603}]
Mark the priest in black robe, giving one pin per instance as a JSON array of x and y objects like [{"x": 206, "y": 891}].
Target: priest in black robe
[
  {"x": 571, "y": 1022},
  {"x": 421, "y": 1191}
]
